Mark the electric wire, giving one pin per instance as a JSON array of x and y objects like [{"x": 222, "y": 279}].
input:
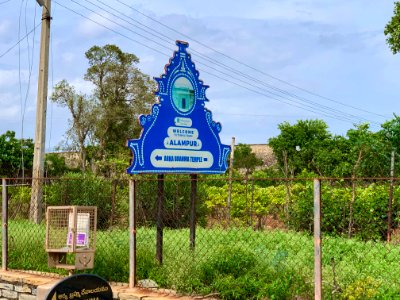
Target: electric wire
[
  {"x": 216, "y": 62},
  {"x": 110, "y": 29},
  {"x": 118, "y": 24},
  {"x": 328, "y": 110},
  {"x": 30, "y": 67},
  {"x": 247, "y": 65},
  {"x": 263, "y": 94},
  {"x": 19, "y": 41},
  {"x": 20, "y": 84}
]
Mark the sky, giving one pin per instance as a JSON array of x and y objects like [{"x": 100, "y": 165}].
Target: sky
[{"x": 266, "y": 61}]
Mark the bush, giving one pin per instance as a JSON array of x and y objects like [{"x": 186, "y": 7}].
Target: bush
[
  {"x": 82, "y": 189},
  {"x": 176, "y": 212},
  {"x": 369, "y": 210}
]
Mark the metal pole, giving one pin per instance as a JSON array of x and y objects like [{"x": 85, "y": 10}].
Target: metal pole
[
  {"x": 193, "y": 197},
  {"x": 230, "y": 178},
  {"x": 160, "y": 225},
  {"x": 4, "y": 241},
  {"x": 317, "y": 241},
  {"x": 41, "y": 107},
  {"x": 390, "y": 204},
  {"x": 132, "y": 233}
]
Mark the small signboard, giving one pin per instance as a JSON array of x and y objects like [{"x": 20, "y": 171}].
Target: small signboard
[
  {"x": 179, "y": 136},
  {"x": 81, "y": 286},
  {"x": 82, "y": 227}
]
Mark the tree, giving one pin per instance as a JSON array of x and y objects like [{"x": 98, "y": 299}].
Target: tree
[
  {"x": 102, "y": 122},
  {"x": 391, "y": 133},
  {"x": 83, "y": 111},
  {"x": 392, "y": 30},
  {"x": 297, "y": 146},
  {"x": 55, "y": 165},
  {"x": 123, "y": 93},
  {"x": 364, "y": 159},
  {"x": 16, "y": 155},
  {"x": 245, "y": 158}
]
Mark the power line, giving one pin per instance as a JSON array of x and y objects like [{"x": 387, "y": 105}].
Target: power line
[
  {"x": 167, "y": 39},
  {"x": 112, "y": 21},
  {"x": 19, "y": 41},
  {"x": 247, "y": 65},
  {"x": 114, "y": 31},
  {"x": 326, "y": 110},
  {"x": 224, "y": 66}
]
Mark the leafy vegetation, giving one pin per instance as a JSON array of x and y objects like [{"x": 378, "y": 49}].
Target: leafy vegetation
[
  {"x": 392, "y": 30},
  {"x": 16, "y": 155},
  {"x": 234, "y": 264},
  {"x": 102, "y": 121}
]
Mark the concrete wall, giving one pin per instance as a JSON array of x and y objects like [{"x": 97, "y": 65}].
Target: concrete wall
[{"x": 16, "y": 285}]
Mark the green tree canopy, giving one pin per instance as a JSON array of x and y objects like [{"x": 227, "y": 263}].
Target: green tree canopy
[
  {"x": 392, "y": 30},
  {"x": 244, "y": 158},
  {"x": 16, "y": 155},
  {"x": 123, "y": 93},
  {"x": 104, "y": 120},
  {"x": 297, "y": 146},
  {"x": 83, "y": 110}
]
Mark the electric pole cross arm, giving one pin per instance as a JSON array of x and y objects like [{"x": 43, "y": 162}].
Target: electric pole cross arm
[{"x": 35, "y": 211}]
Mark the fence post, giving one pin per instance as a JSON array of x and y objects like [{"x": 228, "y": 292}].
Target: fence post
[
  {"x": 132, "y": 233},
  {"x": 228, "y": 205},
  {"x": 160, "y": 214},
  {"x": 390, "y": 204},
  {"x": 317, "y": 241},
  {"x": 4, "y": 240},
  {"x": 193, "y": 197}
]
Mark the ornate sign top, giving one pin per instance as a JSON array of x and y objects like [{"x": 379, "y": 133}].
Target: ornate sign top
[{"x": 179, "y": 136}]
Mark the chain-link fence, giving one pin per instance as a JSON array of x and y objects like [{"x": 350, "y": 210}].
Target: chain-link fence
[{"x": 248, "y": 238}]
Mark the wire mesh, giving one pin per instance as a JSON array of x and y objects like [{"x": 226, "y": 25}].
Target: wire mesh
[
  {"x": 246, "y": 244},
  {"x": 259, "y": 246},
  {"x": 360, "y": 240},
  {"x": 59, "y": 229}
]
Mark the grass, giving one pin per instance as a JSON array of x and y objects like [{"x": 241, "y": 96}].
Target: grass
[{"x": 236, "y": 264}]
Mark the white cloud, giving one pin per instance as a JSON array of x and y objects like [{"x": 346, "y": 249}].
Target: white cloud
[
  {"x": 97, "y": 28},
  {"x": 82, "y": 85},
  {"x": 4, "y": 26},
  {"x": 9, "y": 113},
  {"x": 9, "y": 78},
  {"x": 68, "y": 57}
]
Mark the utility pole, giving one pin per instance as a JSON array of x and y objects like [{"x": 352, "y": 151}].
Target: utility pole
[{"x": 35, "y": 211}]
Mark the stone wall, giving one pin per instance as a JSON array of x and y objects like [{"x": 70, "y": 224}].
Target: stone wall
[
  {"x": 17, "y": 290},
  {"x": 20, "y": 285},
  {"x": 265, "y": 153}
]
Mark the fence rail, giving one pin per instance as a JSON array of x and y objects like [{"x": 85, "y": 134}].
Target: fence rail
[{"x": 307, "y": 238}]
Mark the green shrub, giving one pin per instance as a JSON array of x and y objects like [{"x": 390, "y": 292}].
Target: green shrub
[
  {"x": 82, "y": 189},
  {"x": 233, "y": 261}
]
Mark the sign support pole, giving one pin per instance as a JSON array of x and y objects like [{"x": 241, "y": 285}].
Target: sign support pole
[
  {"x": 132, "y": 233},
  {"x": 193, "y": 198},
  {"x": 160, "y": 213}
]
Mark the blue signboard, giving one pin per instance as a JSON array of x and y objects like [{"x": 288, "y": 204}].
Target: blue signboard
[{"x": 179, "y": 136}]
